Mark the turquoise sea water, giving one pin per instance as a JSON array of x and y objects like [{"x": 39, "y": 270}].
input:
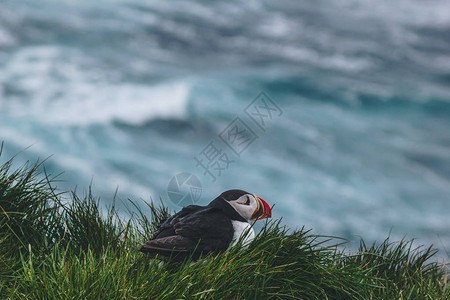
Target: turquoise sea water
[{"x": 127, "y": 93}]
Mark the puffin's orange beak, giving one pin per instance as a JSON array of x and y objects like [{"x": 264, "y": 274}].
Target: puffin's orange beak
[{"x": 262, "y": 211}]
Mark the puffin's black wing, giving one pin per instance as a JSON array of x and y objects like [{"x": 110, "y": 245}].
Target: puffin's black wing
[
  {"x": 194, "y": 229},
  {"x": 166, "y": 228},
  {"x": 169, "y": 245}
]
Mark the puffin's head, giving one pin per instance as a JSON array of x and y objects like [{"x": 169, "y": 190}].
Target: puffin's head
[{"x": 249, "y": 206}]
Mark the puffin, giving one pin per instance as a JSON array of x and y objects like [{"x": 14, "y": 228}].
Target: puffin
[{"x": 198, "y": 230}]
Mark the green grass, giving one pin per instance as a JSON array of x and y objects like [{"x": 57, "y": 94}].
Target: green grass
[{"x": 54, "y": 248}]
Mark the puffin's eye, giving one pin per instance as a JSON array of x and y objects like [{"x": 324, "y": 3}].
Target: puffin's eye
[{"x": 248, "y": 201}]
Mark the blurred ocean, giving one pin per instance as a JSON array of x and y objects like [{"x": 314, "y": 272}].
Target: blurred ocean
[{"x": 127, "y": 92}]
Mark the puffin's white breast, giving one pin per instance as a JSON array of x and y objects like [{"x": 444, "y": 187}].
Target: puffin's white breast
[{"x": 240, "y": 228}]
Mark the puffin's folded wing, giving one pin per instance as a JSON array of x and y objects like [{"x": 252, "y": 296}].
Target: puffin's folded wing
[
  {"x": 168, "y": 245},
  {"x": 204, "y": 224},
  {"x": 165, "y": 228}
]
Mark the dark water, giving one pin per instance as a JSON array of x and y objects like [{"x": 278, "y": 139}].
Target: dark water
[{"x": 127, "y": 93}]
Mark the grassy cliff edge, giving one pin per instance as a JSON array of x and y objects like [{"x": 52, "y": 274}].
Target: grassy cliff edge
[{"x": 58, "y": 245}]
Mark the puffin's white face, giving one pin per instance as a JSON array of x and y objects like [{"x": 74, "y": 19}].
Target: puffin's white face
[{"x": 245, "y": 205}]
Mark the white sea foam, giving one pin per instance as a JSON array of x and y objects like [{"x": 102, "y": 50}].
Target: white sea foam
[{"x": 55, "y": 88}]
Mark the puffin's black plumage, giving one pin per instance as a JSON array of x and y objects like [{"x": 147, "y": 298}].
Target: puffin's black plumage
[{"x": 197, "y": 229}]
